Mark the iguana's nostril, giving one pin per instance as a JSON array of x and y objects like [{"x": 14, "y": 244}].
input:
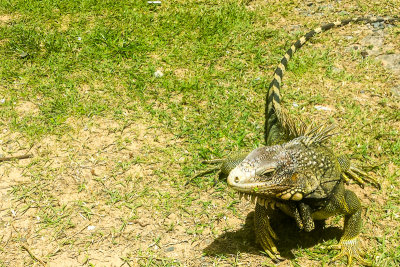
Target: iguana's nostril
[{"x": 236, "y": 179}]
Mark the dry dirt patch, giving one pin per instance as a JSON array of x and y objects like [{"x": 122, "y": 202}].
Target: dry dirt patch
[
  {"x": 69, "y": 176},
  {"x": 5, "y": 18},
  {"x": 26, "y": 107}
]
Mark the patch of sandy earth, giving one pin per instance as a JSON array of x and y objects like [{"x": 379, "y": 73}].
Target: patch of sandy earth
[
  {"x": 11, "y": 172},
  {"x": 91, "y": 152},
  {"x": 5, "y": 18},
  {"x": 26, "y": 107},
  {"x": 64, "y": 22}
]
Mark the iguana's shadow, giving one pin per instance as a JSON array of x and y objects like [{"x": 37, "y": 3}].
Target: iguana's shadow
[{"x": 290, "y": 237}]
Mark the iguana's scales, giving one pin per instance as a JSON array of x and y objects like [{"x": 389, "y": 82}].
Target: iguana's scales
[{"x": 297, "y": 172}]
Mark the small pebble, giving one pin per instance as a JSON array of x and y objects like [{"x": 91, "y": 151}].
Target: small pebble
[
  {"x": 158, "y": 74},
  {"x": 23, "y": 54},
  {"x": 336, "y": 70},
  {"x": 319, "y": 107},
  {"x": 378, "y": 25}
]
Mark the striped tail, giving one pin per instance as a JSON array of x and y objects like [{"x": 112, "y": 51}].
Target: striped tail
[{"x": 275, "y": 117}]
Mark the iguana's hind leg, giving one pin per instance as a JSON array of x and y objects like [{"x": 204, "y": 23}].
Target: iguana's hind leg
[
  {"x": 360, "y": 176},
  {"x": 350, "y": 172}
]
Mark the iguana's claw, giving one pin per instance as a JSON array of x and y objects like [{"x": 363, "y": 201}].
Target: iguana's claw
[
  {"x": 350, "y": 248},
  {"x": 269, "y": 247}
]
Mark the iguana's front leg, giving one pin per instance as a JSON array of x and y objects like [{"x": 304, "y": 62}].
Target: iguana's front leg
[
  {"x": 347, "y": 203},
  {"x": 264, "y": 234}
]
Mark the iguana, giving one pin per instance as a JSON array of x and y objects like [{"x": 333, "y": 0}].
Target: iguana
[{"x": 297, "y": 172}]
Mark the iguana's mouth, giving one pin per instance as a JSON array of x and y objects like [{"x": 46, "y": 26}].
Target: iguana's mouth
[
  {"x": 264, "y": 189},
  {"x": 266, "y": 202}
]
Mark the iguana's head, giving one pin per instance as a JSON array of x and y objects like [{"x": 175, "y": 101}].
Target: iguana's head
[
  {"x": 260, "y": 173},
  {"x": 289, "y": 171}
]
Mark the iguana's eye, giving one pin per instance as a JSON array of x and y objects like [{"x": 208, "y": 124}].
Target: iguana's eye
[
  {"x": 268, "y": 171},
  {"x": 267, "y": 174}
]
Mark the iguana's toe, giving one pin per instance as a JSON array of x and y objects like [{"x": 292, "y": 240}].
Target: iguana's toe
[
  {"x": 202, "y": 173},
  {"x": 351, "y": 249},
  {"x": 361, "y": 177},
  {"x": 269, "y": 247}
]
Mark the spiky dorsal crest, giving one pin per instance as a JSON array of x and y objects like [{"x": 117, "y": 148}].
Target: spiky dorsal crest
[
  {"x": 294, "y": 128},
  {"x": 319, "y": 134}
]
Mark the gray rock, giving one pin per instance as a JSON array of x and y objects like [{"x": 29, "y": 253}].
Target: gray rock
[
  {"x": 373, "y": 39},
  {"x": 378, "y": 25},
  {"x": 396, "y": 91},
  {"x": 391, "y": 62},
  {"x": 373, "y": 43}
]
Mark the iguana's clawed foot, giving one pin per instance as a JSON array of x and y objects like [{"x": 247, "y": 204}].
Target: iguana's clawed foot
[
  {"x": 223, "y": 167},
  {"x": 210, "y": 170},
  {"x": 351, "y": 249},
  {"x": 268, "y": 244},
  {"x": 265, "y": 235},
  {"x": 360, "y": 177}
]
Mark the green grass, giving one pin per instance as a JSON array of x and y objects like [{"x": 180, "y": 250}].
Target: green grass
[{"x": 113, "y": 144}]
